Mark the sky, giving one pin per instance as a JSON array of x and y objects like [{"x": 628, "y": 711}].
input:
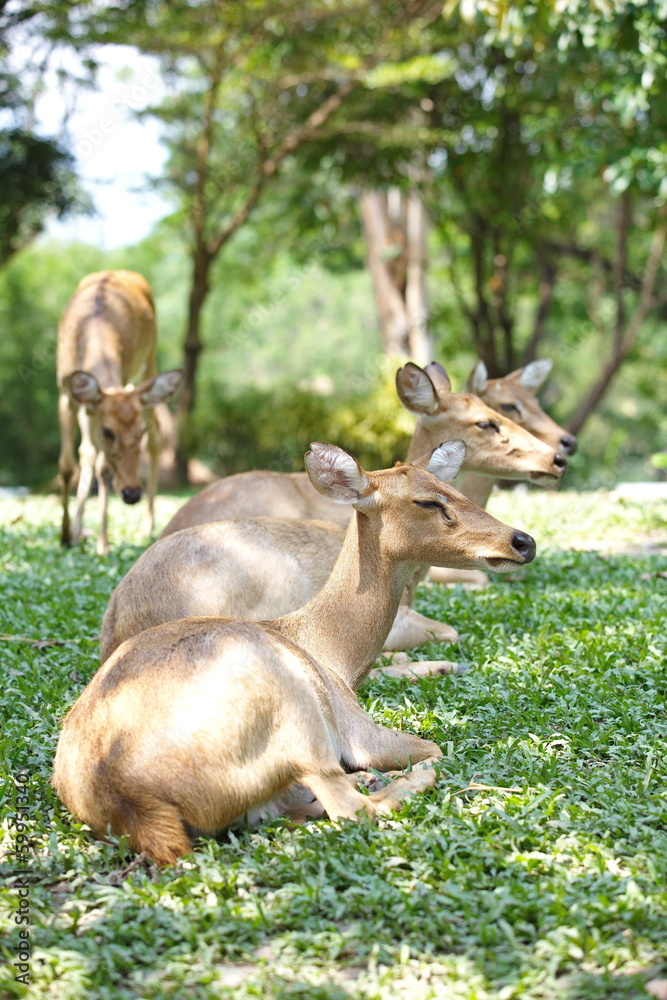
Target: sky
[{"x": 115, "y": 152}]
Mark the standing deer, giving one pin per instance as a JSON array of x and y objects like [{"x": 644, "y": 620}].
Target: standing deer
[
  {"x": 191, "y": 725},
  {"x": 107, "y": 377}
]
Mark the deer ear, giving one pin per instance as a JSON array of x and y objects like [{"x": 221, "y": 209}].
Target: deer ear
[
  {"x": 159, "y": 389},
  {"x": 84, "y": 389},
  {"x": 445, "y": 461},
  {"x": 535, "y": 374},
  {"x": 438, "y": 377},
  {"x": 335, "y": 474},
  {"x": 416, "y": 390},
  {"x": 478, "y": 379}
]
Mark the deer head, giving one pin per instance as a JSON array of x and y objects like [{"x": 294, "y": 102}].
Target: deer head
[
  {"x": 415, "y": 515},
  {"x": 117, "y": 422},
  {"x": 514, "y": 395},
  {"x": 496, "y": 446}
]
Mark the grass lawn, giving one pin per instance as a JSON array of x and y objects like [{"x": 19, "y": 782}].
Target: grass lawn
[{"x": 536, "y": 869}]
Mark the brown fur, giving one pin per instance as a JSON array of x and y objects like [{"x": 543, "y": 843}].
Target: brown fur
[
  {"x": 442, "y": 416},
  {"x": 511, "y": 396},
  {"x": 192, "y": 724},
  {"x": 107, "y": 380},
  {"x": 232, "y": 570}
]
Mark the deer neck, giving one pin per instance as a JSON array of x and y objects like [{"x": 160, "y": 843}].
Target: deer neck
[
  {"x": 421, "y": 442},
  {"x": 345, "y": 625},
  {"x": 476, "y": 487}
]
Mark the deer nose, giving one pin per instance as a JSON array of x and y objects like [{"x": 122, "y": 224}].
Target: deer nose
[
  {"x": 524, "y": 545},
  {"x": 569, "y": 443},
  {"x": 131, "y": 494},
  {"x": 560, "y": 461}
]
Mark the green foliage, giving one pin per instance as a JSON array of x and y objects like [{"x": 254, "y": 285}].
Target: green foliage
[
  {"x": 548, "y": 883},
  {"x": 36, "y": 179},
  {"x": 37, "y": 176},
  {"x": 272, "y": 429},
  {"x": 281, "y": 335}
]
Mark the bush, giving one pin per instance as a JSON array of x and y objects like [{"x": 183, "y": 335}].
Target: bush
[{"x": 273, "y": 428}]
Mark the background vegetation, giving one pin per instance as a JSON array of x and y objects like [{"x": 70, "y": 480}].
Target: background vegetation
[{"x": 501, "y": 169}]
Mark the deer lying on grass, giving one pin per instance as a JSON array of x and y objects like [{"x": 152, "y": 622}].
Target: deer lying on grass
[
  {"x": 514, "y": 395},
  {"x": 255, "y": 570},
  {"x": 496, "y": 447},
  {"x": 252, "y": 569},
  {"x": 107, "y": 377},
  {"x": 191, "y": 725}
]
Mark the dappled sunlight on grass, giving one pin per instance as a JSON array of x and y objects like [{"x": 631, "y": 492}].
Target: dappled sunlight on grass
[
  {"x": 570, "y": 520},
  {"x": 535, "y": 869}
]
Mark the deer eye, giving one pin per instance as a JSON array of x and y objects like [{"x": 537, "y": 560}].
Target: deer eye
[
  {"x": 489, "y": 425},
  {"x": 509, "y": 408},
  {"x": 433, "y": 504},
  {"x": 109, "y": 434}
]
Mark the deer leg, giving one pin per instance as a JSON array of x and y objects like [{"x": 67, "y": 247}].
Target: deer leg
[
  {"x": 103, "y": 496},
  {"x": 340, "y": 800},
  {"x": 366, "y": 745},
  {"x": 337, "y": 797},
  {"x": 394, "y": 794},
  {"x": 66, "y": 460},
  {"x": 87, "y": 452},
  {"x": 471, "y": 579},
  {"x": 412, "y": 671},
  {"x": 154, "y": 448},
  {"x": 411, "y": 628}
]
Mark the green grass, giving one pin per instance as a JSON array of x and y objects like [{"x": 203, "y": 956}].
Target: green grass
[{"x": 550, "y": 883}]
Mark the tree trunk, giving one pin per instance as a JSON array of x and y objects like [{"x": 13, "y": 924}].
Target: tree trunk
[
  {"x": 395, "y": 231},
  {"x": 192, "y": 347},
  {"x": 548, "y": 274},
  {"x": 624, "y": 335},
  {"x": 420, "y": 342}
]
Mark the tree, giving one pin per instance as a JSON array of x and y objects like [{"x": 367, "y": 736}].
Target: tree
[
  {"x": 262, "y": 81},
  {"x": 37, "y": 176},
  {"x": 394, "y": 225},
  {"x": 561, "y": 137},
  {"x": 36, "y": 180}
]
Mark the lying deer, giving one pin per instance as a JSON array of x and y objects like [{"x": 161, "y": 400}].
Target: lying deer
[
  {"x": 496, "y": 446},
  {"x": 107, "y": 377},
  {"x": 192, "y": 725},
  {"x": 514, "y": 395},
  {"x": 255, "y": 570},
  {"x": 252, "y": 569}
]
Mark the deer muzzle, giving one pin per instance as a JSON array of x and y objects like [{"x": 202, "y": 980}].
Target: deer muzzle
[{"x": 131, "y": 494}]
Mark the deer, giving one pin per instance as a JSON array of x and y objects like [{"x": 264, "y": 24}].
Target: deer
[
  {"x": 496, "y": 446},
  {"x": 192, "y": 725},
  {"x": 514, "y": 395},
  {"x": 108, "y": 381},
  {"x": 251, "y": 569},
  {"x": 231, "y": 567}
]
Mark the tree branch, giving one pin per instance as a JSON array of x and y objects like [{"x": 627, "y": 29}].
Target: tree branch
[
  {"x": 270, "y": 165},
  {"x": 622, "y": 347},
  {"x": 548, "y": 274}
]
